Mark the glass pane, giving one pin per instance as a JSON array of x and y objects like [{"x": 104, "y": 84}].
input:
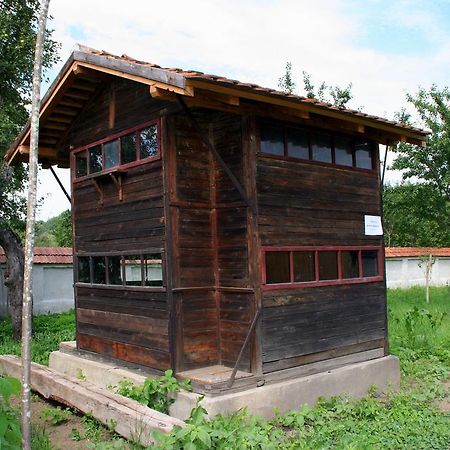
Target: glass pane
[
  {"x": 350, "y": 264},
  {"x": 99, "y": 269},
  {"x": 111, "y": 150},
  {"x": 128, "y": 148},
  {"x": 272, "y": 140},
  {"x": 115, "y": 270},
  {"x": 370, "y": 263},
  {"x": 133, "y": 273},
  {"x": 304, "y": 266},
  {"x": 81, "y": 164},
  {"x": 153, "y": 275},
  {"x": 84, "y": 271},
  {"x": 148, "y": 142},
  {"x": 321, "y": 148},
  {"x": 363, "y": 155},
  {"x": 95, "y": 159},
  {"x": 328, "y": 267},
  {"x": 298, "y": 144},
  {"x": 277, "y": 267},
  {"x": 343, "y": 151}
]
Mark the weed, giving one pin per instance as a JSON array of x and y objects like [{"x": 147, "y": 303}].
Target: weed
[
  {"x": 40, "y": 439},
  {"x": 91, "y": 428},
  {"x": 10, "y": 435},
  {"x": 57, "y": 415},
  {"x": 155, "y": 393},
  {"x": 48, "y": 332}
]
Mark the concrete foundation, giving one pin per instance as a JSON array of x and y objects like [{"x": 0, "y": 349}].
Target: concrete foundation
[{"x": 352, "y": 379}]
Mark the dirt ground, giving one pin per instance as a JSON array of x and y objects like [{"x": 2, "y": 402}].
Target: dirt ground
[
  {"x": 61, "y": 435},
  {"x": 444, "y": 404}
]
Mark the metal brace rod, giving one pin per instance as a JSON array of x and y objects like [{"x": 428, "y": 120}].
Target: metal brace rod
[
  {"x": 384, "y": 165},
  {"x": 244, "y": 346},
  {"x": 60, "y": 184},
  {"x": 213, "y": 150}
]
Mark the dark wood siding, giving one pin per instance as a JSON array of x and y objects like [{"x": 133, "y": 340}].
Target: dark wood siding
[
  {"x": 317, "y": 205},
  {"x": 232, "y": 243},
  {"x": 121, "y": 322},
  {"x": 211, "y": 241}
]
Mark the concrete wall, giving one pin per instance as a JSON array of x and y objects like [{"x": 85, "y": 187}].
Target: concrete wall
[
  {"x": 405, "y": 272},
  {"x": 52, "y": 289}
]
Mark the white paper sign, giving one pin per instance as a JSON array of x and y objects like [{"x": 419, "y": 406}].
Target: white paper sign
[{"x": 372, "y": 226}]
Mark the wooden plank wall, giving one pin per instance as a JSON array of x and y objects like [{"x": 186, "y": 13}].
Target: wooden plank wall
[
  {"x": 128, "y": 324},
  {"x": 307, "y": 204},
  {"x": 232, "y": 244},
  {"x": 194, "y": 272},
  {"x": 211, "y": 241}
]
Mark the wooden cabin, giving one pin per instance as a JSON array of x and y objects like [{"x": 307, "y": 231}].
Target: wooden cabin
[{"x": 217, "y": 225}]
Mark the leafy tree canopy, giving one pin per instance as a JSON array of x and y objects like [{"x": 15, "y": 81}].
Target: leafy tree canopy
[
  {"x": 415, "y": 215},
  {"x": 336, "y": 95},
  {"x": 55, "y": 232},
  {"x": 18, "y": 27},
  {"x": 430, "y": 164}
]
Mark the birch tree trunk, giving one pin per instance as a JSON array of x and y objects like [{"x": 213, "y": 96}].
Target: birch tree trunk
[
  {"x": 428, "y": 277},
  {"x": 27, "y": 311}
]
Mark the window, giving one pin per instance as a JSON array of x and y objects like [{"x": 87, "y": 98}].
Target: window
[
  {"x": 289, "y": 142},
  {"x": 142, "y": 144},
  {"x": 272, "y": 140},
  {"x": 122, "y": 270},
  {"x": 319, "y": 266},
  {"x": 321, "y": 148},
  {"x": 297, "y": 143},
  {"x": 277, "y": 264}
]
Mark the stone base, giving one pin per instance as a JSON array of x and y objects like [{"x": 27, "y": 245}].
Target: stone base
[{"x": 352, "y": 379}]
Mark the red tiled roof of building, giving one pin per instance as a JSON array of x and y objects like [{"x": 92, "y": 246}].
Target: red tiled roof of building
[
  {"x": 47, "y": 255},
  {"x": 217, "y": 79},
  {"x": 402, "y": 252}
]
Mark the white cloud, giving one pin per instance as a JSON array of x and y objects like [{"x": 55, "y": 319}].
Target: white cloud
[{"x": 251, "y": 40}]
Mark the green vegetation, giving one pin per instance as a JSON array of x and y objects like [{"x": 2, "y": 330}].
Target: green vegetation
[
  {"x": 55, "y": 232},
  {"x": 419, "y": 334},
  {"x": 56, "y": 416},
  {"x": 155, "y": 393},
  {"x": 335, "y": 95},
  {"x": 10, "y": 435},
  {"x": 48, "y": 331},
  {"x": 408, "y": 419},
  {"x": 40, "y": 439},
  {"x": 415, "y": 215}
]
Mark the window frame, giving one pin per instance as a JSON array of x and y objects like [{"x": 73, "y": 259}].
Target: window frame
[
  {"x": 311, "y": 132},
  {"x": 123, "y": 255},
  {"x": 110, "y": 138},
  {"x": 317, "y": 283}
]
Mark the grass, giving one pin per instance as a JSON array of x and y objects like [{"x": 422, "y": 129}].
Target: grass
[
  {"x": 48, "y": 331},
  {"x": 419, "y": 334}
]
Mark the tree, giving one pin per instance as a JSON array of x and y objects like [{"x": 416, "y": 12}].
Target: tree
[
  {"x": 18, "y": 28},
  {"x": 285, "y": 82},
  {"x": 336, "y": 95},
  {"x": 55, "y": 232},
  {"x": 27, "y": 312},
  {"x": 430, "y": 164},
  {"x": 415, "y": 215}
]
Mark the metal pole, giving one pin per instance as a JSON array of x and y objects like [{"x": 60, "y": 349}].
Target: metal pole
[
  {"x": 60, "y": 184},
  {"x": 384, "y": 165}
]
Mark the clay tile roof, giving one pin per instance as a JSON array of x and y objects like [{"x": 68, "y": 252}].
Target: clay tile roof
[
  {"x": 250, "y": 87},
  {"x": 47, "y": 255},
  {"x": 404, "y": 252}
]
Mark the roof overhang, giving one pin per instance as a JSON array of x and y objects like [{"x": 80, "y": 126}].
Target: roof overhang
[{"x": 86, "y": 70}]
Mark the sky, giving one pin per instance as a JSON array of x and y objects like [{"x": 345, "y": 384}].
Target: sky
[{"x": 385, "y": 48}]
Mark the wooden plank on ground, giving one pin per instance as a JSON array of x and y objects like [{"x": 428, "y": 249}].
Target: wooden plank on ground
[{"x": 133, "y": 420}]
